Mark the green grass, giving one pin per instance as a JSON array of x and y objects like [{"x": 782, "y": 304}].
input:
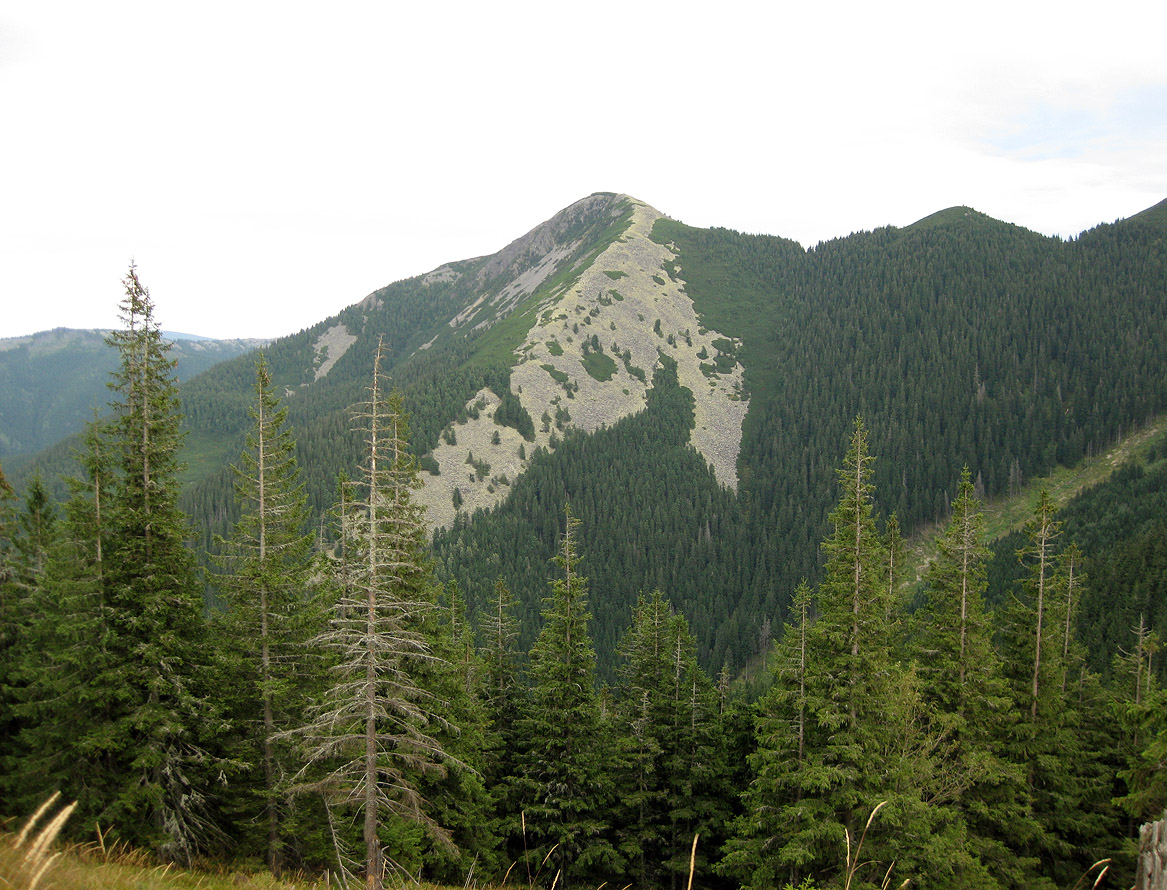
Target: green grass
[
  {"x": 558, "y": 376},
  {"x": 32, "y": 858},
  {"x": 729, "y": 298},
  {"x": 204, "y": 452},
  {"x": 599, "y": 365},
  {"x": 1005, "y": 515}
]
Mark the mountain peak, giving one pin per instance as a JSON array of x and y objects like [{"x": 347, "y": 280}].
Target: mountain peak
[
  {"x": 588, "y": 357},
  {"x": 946, "y": 217}
]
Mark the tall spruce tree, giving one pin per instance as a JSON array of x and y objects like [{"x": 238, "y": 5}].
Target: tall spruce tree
[
  {"x": 25, "y": 538},
  {"x": 673, "y": 773},
  {"x": 505, "y": 698},
  {"x": 458, "y": 797},
  {"x": 567, "y": 784},
  {"x": 35, "y": 531},
  {"x": 8, "y": 724},
  {"x": 1031, "y": 657},
  {"x": 968, "y": 703},
  {"x": 771, "y": 846},
  {"x": 269, "y": 612},
  {"x": 865, "y": 740},
  {"x": 31, "y": 537},
  {"x": 1139, "y": 706},
  {"x": 157, "y": 736},
  {"x": 374, "y": 732},
  {"x": 1059, "y": 737}
]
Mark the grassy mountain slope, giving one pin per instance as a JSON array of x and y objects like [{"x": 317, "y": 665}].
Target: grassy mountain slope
[{"x": 1114, "y": 506}]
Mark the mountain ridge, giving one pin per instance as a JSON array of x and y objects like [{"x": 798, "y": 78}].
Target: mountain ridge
[{"x": 53, "y": 382}]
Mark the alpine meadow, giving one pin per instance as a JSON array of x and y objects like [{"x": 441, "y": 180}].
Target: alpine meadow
[{"x": 634, "y": 554}]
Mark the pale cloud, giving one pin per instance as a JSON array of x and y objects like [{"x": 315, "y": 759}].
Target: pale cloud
[{"x": 268, "y": 164}]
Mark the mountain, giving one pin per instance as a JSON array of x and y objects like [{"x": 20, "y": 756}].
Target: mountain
[
  {"x": 52, "y": 382},
  {"x": 691, "y": 391}
]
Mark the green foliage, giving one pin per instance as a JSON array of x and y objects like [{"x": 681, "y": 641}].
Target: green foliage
[
  {"x": 510, "y": 412},
  {"x": 118, "y": 703},
  {"x": 929, "y": 713},
  {"x": 599, "y": 365},
  {"x": 642, "y": 470},
  {"x": 673, "y": 775},
  {"x": 558, "y": 376},
  {"x": 965, "y": 690},
  {"x": 377, "y": 733},
  {"x": 269, "y": 614},
  {"x": 9, "y": 621},
  {"x": 1060, "y": 731},
  {"x": 824, "y": 336},
  {"x": 566, "y": 788}
]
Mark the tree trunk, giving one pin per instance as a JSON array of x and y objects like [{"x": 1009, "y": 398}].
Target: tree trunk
[{"x": 1152, "y": 870}]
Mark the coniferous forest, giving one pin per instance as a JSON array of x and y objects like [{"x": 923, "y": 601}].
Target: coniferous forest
[{"x": 278, "y": 662}]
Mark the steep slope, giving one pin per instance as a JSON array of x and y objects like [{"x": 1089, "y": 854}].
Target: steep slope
[
  {"x": 1154, "y": 216},
  {"x": 586, "y": 363}
]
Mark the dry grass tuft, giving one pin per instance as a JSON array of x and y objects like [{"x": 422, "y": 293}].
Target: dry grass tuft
[{"x": 26, "y": 861}]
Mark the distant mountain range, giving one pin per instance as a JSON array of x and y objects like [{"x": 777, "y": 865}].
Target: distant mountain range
[
  {"x": 691, "y": 391},
  {"x": 53, "y": 381}
]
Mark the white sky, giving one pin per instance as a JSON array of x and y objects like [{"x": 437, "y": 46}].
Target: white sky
[{"x": 267, "y": 164}]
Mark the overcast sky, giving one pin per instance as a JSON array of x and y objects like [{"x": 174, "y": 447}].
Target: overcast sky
[{"x": 267, "y": 164}]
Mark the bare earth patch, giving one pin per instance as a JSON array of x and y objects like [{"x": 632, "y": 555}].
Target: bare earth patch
[{"x": 331, "y": 345}]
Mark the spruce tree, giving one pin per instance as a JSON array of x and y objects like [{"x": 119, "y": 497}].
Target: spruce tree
[
  {"x": 68, "y": 643},
  {"x": 458, "y": 797},
  {"x": 567, "y": 784},
  {"x": 642, "y": 719},
  {"x": 1031, "y": 657},
  {"x": 26, "y": 535},
  {"x": 864, "y": 741},
  {"x": 157, "y": 668},
  {"x": 1060, "y": 736},
  {"x": 968, "y": 703},
  {"x": 269, "y": 612},
  {"x": 34, "y": 535},
  {"x": 8, "y": 624},
  {"x": 1139, "y": 705},
  {"x": 673, "y": 773},
  {"x": 771, "y": 846},
  {"x": 31, "y": 536},
  {"x": 505, "y": 698}
]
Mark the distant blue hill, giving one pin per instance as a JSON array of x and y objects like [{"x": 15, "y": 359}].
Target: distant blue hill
[{"x": 52, "y": 382}]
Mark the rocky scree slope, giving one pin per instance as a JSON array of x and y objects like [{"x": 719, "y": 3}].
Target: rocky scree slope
[{"x": 586, "y": 362}]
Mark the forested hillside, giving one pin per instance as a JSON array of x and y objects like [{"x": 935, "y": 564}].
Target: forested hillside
[
  {"x": 962, "y": 340},
  {"x": 332, "y": 685},
  {"x": 51, "y": 383}
]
